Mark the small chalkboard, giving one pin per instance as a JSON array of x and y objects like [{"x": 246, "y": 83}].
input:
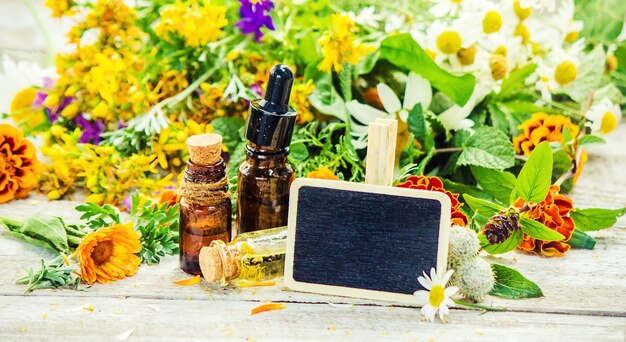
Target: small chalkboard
[{"x": 363, "y": 240}]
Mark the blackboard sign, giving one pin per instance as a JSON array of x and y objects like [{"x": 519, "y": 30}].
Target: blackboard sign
[{"x": 362, "y": 240}]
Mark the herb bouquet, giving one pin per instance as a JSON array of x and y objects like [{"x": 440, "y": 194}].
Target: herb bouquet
[{"x": 496, "y": 103}]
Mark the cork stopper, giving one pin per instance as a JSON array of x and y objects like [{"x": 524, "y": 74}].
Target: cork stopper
[
  {"x": 211, "y": 264},
  {"x": 205, "y": 149}
]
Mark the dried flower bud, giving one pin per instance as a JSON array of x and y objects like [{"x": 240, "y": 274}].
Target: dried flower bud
[
  {"x": 474, "y": 279},
  {"x": 463, "y": 245},
  {"x": 501, "y": 226}
]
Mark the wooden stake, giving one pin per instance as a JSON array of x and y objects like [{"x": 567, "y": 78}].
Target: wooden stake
[{"x": 381, "y": 148}]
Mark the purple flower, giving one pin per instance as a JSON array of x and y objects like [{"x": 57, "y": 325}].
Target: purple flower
[
  {"x": 254, "y": 16},
  {"x": 257, "y": 90},
  {"x": 91, "y": 130},
  {"x": 53, "y": 114},
  {"x": 40, "y": 98}
]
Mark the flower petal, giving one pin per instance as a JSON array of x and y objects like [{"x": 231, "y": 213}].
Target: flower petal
[
  {"x": 427, "y": 284},
  {"x": 417, "y": 90},
  {"x": 446, "y": 277},
  {"x": 364, "y": 113},
  {"x": 389, "y": 99},
  {"x": 450, "y": 291}
]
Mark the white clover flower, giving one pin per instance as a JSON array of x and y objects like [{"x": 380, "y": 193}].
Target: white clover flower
[
  {"x": 463, "y": 245},
  {"x": 604, "y": 116},
  {"x": 417, "y": 90},
  {"x": 436, "y": 298}
]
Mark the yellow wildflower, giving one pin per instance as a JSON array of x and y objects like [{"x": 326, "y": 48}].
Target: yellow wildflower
[
  {"x": 60, "y": 7},
  {"x": 299, "y": 101},
  {"x": 197, "y": 22},
  {"x": 339, "y": 46}
]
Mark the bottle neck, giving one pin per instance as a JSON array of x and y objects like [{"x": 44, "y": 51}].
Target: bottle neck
[
  {"x": 269, "y": 156},
  {"x": 205, "y": 173}
]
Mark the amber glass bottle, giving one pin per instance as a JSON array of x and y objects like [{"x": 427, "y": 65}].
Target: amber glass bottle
[
  {"x": 205, "y": 207},
  {"x": 265, "y": 175}
]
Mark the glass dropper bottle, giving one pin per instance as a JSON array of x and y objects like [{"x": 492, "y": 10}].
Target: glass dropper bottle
[{"x": 254, "y": 256}]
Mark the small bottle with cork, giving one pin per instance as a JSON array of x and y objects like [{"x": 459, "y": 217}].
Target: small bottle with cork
[
  {"x": 265, "y": 176},
  {"x": 205, "y": 207},
  {"x": 254, "y": 256}
]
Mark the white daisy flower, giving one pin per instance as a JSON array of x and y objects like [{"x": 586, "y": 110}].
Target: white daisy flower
[
  {"x": 604, "y": 116},
  {"x": 366, "y": 17},
  {"x": 500, "y": 43},
  {"x": 549, "y": 30},
  {"x": 417, "y": 90},
  {"x": 487, "y": 17},
  {"x": 446, "y": 8},
  {"x": 446, "y": 40},
  {"x": 558, "y": 69},
  {"x": 549, "y": 6},
  {"x": 438, "y": 296}
]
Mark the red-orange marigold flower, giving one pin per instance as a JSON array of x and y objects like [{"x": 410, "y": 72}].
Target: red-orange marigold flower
[
  {"x": 170, "y": 197},
  {"x": 435, "y": 184},
  {"x": 553, "y": 212},
  {"x": 542, "y": 127},
  {"x": 18, "y": 164}
]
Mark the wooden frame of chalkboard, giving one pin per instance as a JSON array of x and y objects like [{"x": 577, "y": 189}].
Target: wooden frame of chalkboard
[{"x": 382, "y": 196}]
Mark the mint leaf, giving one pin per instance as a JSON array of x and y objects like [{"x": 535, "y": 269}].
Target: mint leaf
[
  {"x": 481, "y": 206},
  {"x": 228, "y": 128},
  {"x": 581, "y": 240},
  {"x": 417, "y": 123},
  {"x": 533, "y": 181},
  {"x": 513, "y": 285},
  {"x": 403, "y": 51},
  {"x": 508, "y": 245},
  {"x": 498, "y": 184},
  {"x": 298, "y": 152},
  {"x": 595, "y": 218},
  {"x": 488, "y": 147},
  {"x": 538, "y": 231}
]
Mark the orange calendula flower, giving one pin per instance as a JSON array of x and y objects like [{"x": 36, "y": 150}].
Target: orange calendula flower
[
  {"x": 542, "y": 127},
  {"x": 435, "y": 184},
  {"x": 553, "y": 212},
  {"x": 322, "y": 172},
  {"x": 18, "y": 164},
  {"x": 108, "y": 254},
  {"x": 170, "y": 197}
]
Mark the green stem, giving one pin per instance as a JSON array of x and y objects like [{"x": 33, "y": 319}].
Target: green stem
[
  {"x": 448, "y": 150},
  {"x": 478, "y": 306}
]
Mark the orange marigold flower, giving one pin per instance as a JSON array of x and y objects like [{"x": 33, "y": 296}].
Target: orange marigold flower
[
  {"x": 18, "y": 164},
  {"x": 108, "y": 254},
  {"x": 542, "y": 127},
  {"x": 170, "y": 197},
  {"x": 553, "y": 212},
  {"x": 435, "y": 184},
  {"x": 322, "y": 172}
]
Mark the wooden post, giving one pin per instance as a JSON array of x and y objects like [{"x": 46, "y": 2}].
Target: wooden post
[{"x": 381, "y": 147}]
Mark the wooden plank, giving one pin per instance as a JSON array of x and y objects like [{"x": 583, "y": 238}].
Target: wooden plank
[{"x": 66, "y": 319}]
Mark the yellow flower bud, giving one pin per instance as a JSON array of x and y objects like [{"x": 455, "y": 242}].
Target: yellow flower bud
[
  {"x": 232, "y": 55},
  {"x": 52, "y": 100},
  {"x": 54, "y": 195},
  {"x": 71, "y": 110}
]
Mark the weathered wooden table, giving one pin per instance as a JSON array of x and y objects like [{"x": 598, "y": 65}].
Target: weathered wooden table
[{"x": 585, "y": 293}]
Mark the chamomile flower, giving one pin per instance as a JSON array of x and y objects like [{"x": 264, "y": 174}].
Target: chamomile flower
[
  {"x": 436, "y": 298},
  {"x": 549, "y": 6},
  {"x": 511, "y": 48},
  {"x": 446, "y": 40},
  {"x": 558, "y": 69},
  {"x": 443, "y": 8},
  {"x": 604, "y": 116},
  {"x": 417, "y": 90}
]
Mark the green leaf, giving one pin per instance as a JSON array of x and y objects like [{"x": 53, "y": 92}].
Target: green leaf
[
  {"x": 592, "y": 219},
  {"x": 561, "y": 164},
  {"x": 498, "y": 184},
  {"x": 228, "y": 127},
  {"x": 539, "y": 231},
  {"x": 403, "y": 51},
  {"x": 590, "y": 139},
  {"x": 325, "y": 97},
  {"x": 580, "y": 240},
  {"x": 298, "y": 152},
  {"x": 417, "y": 123},
  {"x": 46, "y": 228},
  {"x": 513, "y": 285},
  {"x": 603, "y": 20},
  {"x": 345, "y": 81},
  {"x": 488, "y": 147},
  {"x": 508, "y": 245},
  {"x": 516, "y": 80},
  {"x": 502, "y": 120},
  {"x": 533, "y": 181},
  {"x": 568, "y": 138},
  {"x": 481, "y": 206}
]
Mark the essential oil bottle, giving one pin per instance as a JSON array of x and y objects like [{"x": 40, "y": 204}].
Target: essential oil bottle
[
  {"x": 205, "y": 207},
  {"x": 254, "y": 256},
  {"x": 265, "y": 176}
]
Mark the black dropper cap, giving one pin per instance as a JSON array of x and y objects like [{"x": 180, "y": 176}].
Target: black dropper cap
[{"x": 271, "y": 120}]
